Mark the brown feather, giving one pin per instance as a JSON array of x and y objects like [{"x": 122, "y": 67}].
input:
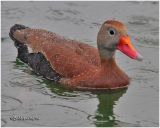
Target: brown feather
[
  {"x": 78, "y": 63},
  {"x": 68, "y": 57}
]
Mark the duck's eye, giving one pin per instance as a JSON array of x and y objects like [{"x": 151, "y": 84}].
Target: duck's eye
[{"x": 111, "y": 32}]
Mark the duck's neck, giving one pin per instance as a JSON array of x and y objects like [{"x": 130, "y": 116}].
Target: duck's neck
[
  {"x": 107, "y": 64},
  {"x": 107, "y": 53}
]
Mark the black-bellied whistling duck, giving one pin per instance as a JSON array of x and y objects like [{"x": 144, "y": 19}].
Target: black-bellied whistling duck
[{"x": 73, "y": 63}]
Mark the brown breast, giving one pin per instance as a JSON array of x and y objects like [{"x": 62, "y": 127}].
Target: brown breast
[{"x": 108, "y": 75}]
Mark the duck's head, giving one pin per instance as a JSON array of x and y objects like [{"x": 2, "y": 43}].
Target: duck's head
[{"x": 112, "y": 36}]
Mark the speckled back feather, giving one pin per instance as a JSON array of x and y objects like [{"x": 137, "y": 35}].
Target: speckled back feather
[{"x": 68, "y": 57}]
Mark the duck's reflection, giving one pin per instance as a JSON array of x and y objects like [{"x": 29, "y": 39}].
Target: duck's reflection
[{"x": 104, "y": 116}]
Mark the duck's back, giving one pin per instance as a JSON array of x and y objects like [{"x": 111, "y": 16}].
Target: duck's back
[{"x": 67, "y": 57}]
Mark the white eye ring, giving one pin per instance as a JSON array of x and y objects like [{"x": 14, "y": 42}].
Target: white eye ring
[{"x": 111, "y": 32}]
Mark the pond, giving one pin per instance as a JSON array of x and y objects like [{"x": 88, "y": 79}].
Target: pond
[{"x": 31, "y": 100}]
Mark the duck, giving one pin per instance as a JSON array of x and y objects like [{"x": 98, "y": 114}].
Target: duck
[{"x": 75, "y": 64}]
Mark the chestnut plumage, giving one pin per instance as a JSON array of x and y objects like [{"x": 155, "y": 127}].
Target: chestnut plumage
[{"x": 77, "y": 64}]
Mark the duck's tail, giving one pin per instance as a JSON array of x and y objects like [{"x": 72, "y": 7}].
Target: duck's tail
[
  {"x": 36, "y": 61},
  {"x": 21, "y": 47},
  {"x": 15, "y": 28}
]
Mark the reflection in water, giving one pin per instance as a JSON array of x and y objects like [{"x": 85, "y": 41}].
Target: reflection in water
[
  {"x": 104, "y": 115},
  {"x": 60, "y": 91}
]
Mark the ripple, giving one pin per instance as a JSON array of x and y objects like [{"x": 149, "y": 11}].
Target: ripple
[
  {"x": 73, "y": 12},
  {"x": 12, "y": 13},
  {"x": 60, "y": 105},
  {"x": 148, "y": 41},
  {"x": 100, "y": 119},
  {"x": 96, "y": 24},
  {"x": 71, "y": 4},
  {"x": 125, "y": 124},
  {"x": 59, "y": 91},
  {"x": 10, "y": 103},
  {"x": 23, "y": 76},
  {"x": 147, "y": 76},
  {"x": 141, "y": 20},
  {"x": 23, "y": 80},
  {"x": 138, "y": 20},
  {"x": 69, "y": 15},
  {"x": 145, "y": 69},
  {"x": 27, "y": 78},
  {"x": 57, "y": 12},
  {"x": 143, "y": 74},
  {"x": 57, "y": 115}
]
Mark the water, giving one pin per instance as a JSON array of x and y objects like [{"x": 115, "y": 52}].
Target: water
[{"x": 26, "y": 95}]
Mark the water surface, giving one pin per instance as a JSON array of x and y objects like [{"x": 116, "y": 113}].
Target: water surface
[{"x": 26, "y": 95}]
